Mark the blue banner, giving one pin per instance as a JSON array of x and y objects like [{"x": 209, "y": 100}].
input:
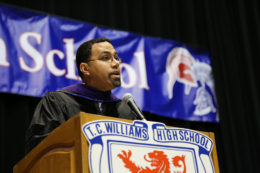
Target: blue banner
[{"x": 37, "y": 55}]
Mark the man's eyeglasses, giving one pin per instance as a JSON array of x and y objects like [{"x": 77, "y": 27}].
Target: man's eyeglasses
[{"x": 108, "y": 59}]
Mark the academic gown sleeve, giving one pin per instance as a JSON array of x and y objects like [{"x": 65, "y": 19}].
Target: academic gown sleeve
[{"x": 48, "y": 115}]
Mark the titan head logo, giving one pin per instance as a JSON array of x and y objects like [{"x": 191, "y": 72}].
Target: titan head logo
[{"x": 179, "y": 68}]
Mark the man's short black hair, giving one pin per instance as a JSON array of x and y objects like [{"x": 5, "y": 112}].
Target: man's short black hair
[{"x": 84, "y": 51}]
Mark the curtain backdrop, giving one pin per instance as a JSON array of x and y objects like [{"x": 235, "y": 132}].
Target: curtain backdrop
[{"x": 229, "y": 30}]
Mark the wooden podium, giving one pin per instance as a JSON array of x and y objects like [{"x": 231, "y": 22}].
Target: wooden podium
[{"x": 65, "y": 150}]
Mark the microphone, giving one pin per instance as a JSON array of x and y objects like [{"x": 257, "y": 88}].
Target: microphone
[{"x": 129, "y": 100}]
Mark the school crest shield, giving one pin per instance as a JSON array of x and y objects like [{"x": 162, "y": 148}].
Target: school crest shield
[{"x": 145, "y": 146}]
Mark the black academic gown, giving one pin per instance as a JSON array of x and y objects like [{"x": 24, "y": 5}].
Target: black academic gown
[{"x": 57, "y": 107}]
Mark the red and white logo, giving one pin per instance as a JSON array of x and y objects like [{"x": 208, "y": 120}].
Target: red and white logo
[{"x": 179, "y": 68}]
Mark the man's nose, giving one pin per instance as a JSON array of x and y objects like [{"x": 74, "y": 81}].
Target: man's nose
[{"x": 115, "y": 63}]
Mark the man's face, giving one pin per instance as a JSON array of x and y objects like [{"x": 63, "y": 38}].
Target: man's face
[{"x": 104, "y": 74}]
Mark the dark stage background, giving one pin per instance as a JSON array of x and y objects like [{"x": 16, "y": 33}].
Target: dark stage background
[{"x": 229, "y": 30}]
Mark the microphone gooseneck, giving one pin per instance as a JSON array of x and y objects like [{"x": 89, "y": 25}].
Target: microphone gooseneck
[{"x": 129, "y": 100}]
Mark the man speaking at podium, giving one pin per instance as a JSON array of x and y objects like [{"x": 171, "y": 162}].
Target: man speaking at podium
[{"x": 98, "y": 67}]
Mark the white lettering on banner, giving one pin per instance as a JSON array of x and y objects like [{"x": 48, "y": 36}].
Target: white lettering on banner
[
  {"x": 132, "y": 77},
  {"x": 142, "y": 69},
  {"x": 34, "y": 62},
  {"x": 71, "y": 68},
  {"x": 50, "y": 62},
  {"x": 3, "y": 56},
  {"x": 31, "y": 51}
]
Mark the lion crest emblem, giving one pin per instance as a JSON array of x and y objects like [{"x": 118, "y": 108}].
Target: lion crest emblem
[{"x": 159, "y": 163}]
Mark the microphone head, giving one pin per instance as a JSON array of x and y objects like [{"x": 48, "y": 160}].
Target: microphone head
[{"x": 127, "y": 97}]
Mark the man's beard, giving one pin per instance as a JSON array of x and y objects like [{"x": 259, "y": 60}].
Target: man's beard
[{"x": 116, "y": 82}]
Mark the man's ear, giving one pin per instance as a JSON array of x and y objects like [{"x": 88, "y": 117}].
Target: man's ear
[{"x": 84, "y": 68}]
